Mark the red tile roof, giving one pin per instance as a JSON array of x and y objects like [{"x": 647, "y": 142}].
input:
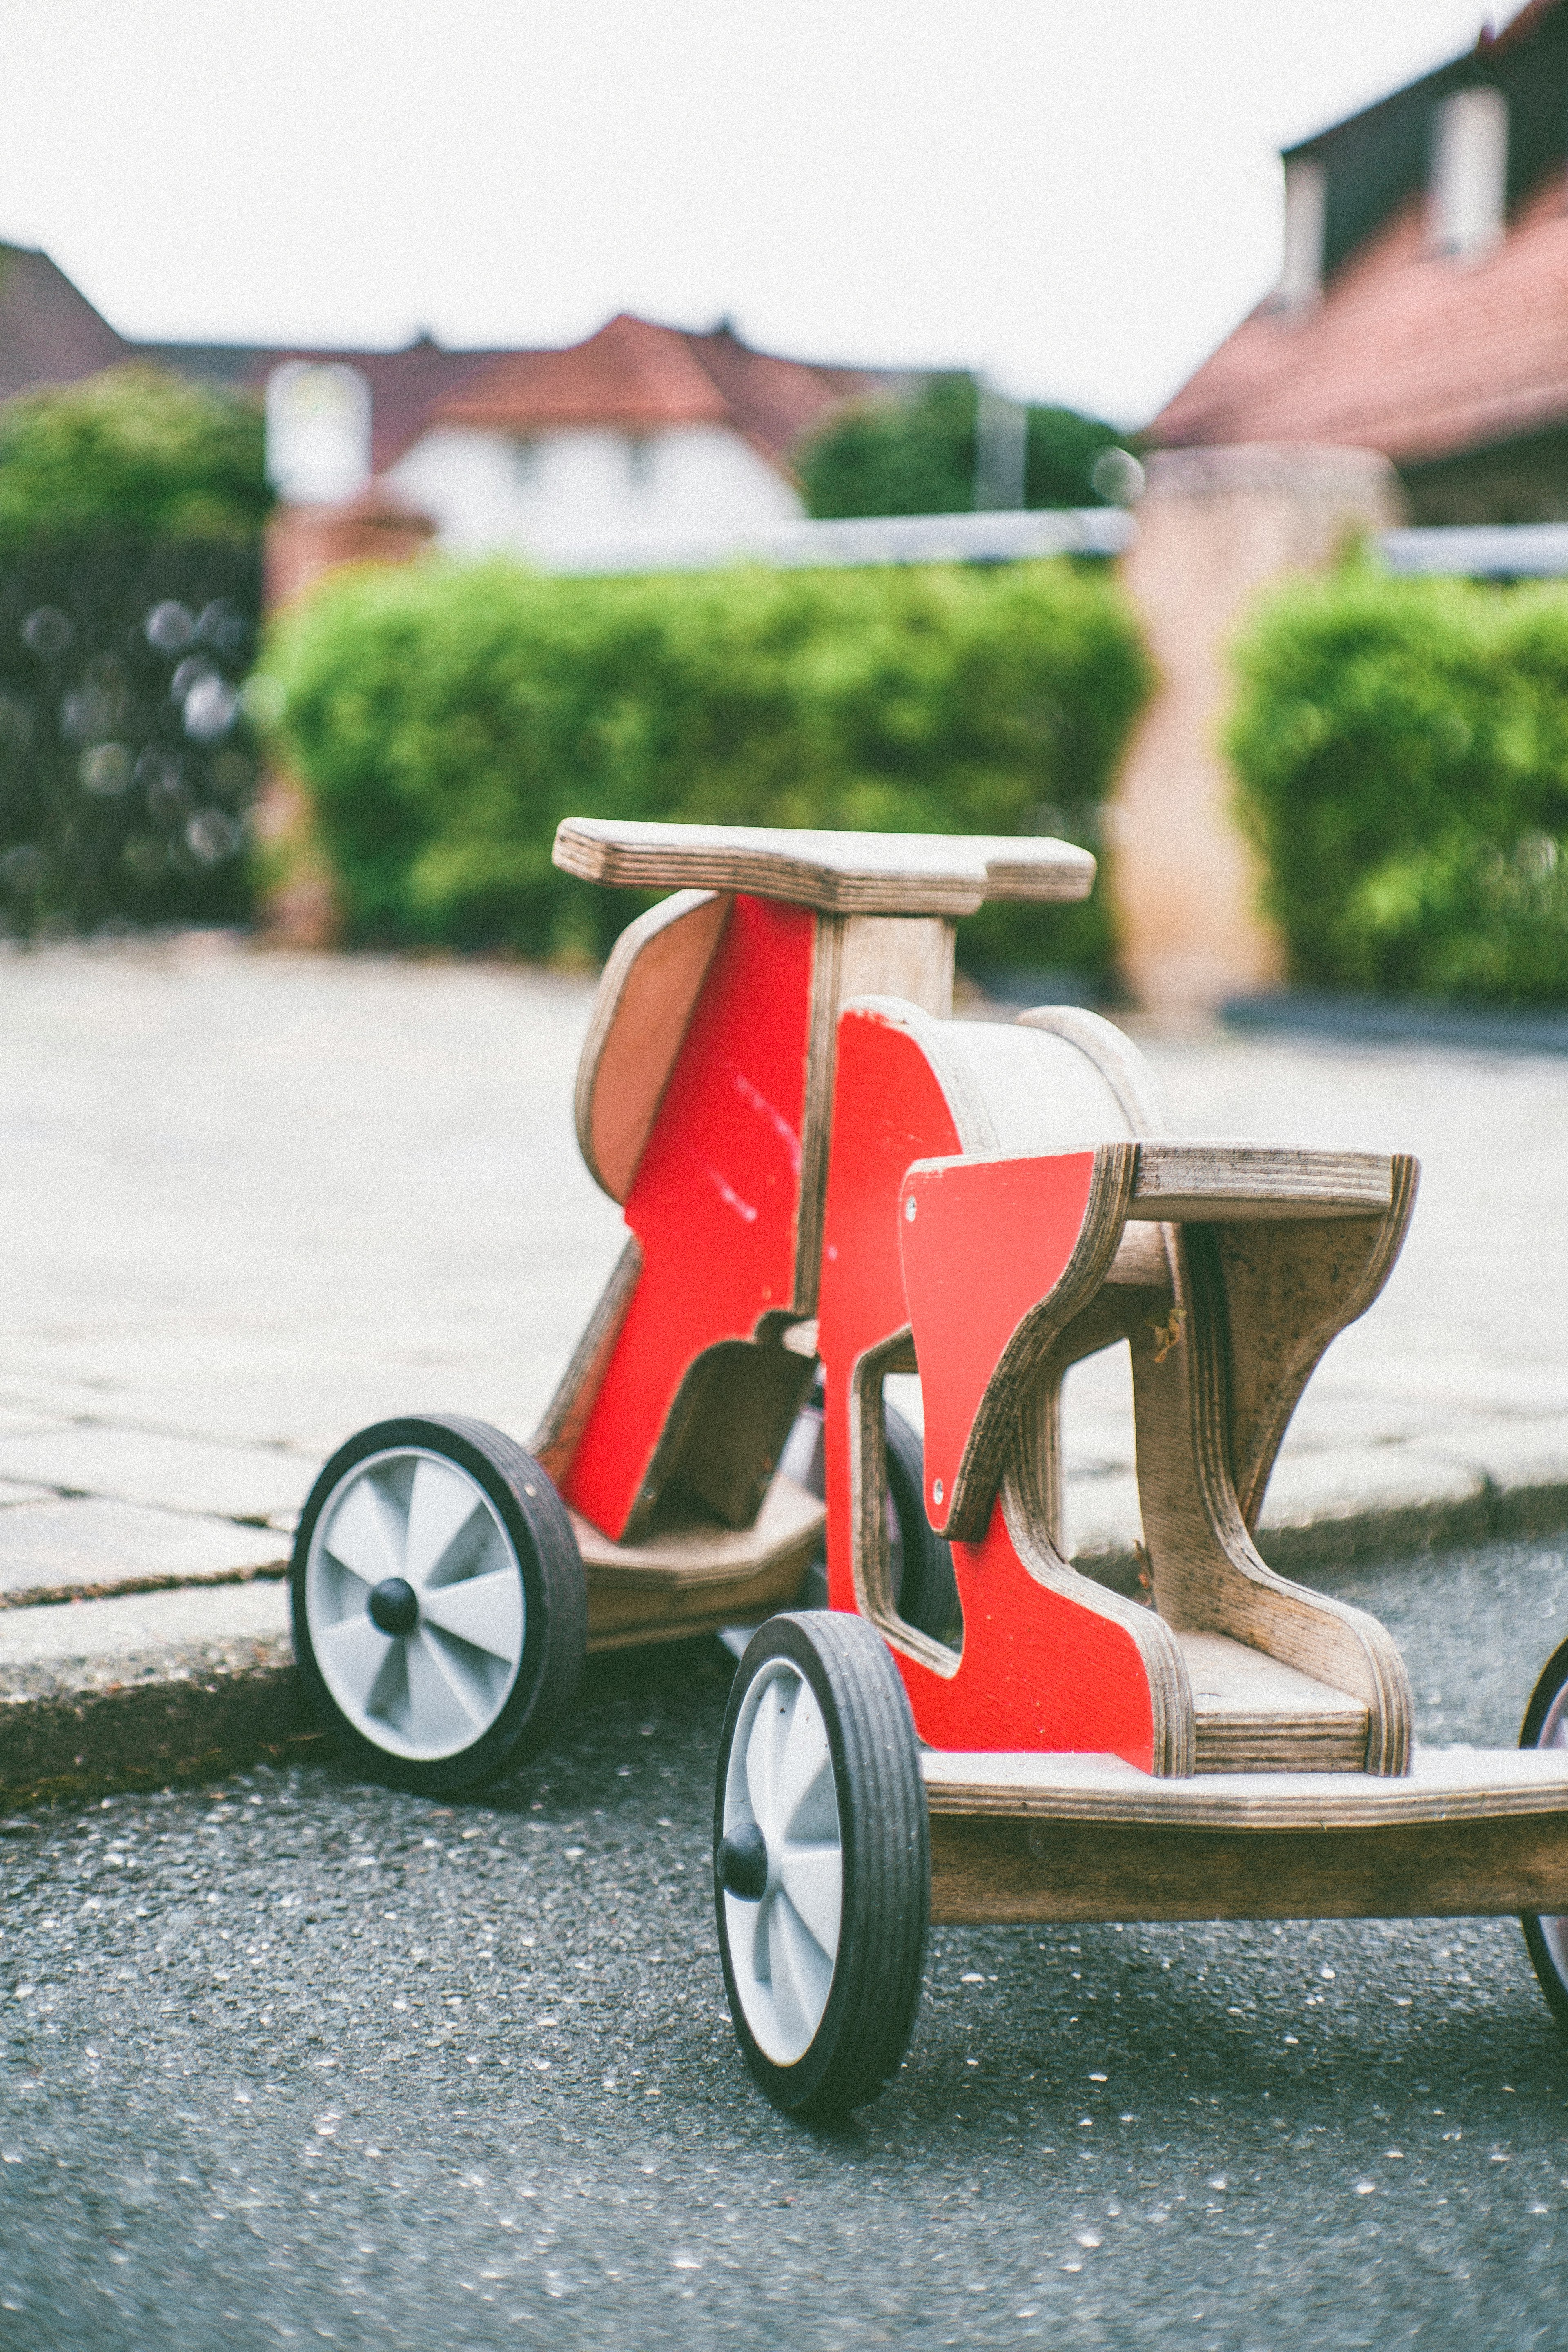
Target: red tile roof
[
  {"x": 1410, "y": 352},
  {"x": 775, "y": 401},
  {"x": 630, "y": 375},
  {"x": 1518, "y": 28},
  {"x": 639, "y": 377},
  {"x": 49, "y": 332}
]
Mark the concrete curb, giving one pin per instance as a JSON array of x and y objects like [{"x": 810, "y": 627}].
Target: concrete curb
[
  {"x": 1496, "y": 1512},
  {"x": 149, "y": 1688},
  {"x": 148, "y": 1734},
  {"x": 1340, "y": 1539},
  {"x": 145, "y": 1688},
  {"x": 1400, "y": 1020}
]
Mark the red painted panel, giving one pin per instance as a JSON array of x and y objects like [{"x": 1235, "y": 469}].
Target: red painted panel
[
  {"x": 715, "y": 1199},
  {"x": 984, "y": 1241},
  {"x": 1039, "y": 1672},
  {"x": 889, "y": 1111}
]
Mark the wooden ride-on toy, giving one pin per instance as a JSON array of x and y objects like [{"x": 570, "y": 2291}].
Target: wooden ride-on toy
[
  {"x": 447, "y": 1582},
  {"x": 1002, "y": 1201}
]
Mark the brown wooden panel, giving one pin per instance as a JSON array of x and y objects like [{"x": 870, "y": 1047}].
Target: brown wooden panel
[
  {"x": 622, "y": 1617},
  {"x": 646, "y": 997},
  {"x": 998, "y": 1871}
]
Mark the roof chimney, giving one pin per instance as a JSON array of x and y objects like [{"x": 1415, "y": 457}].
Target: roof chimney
[
  {"x": 1468, "y": 202},
  {"x": 1306, "y": 208}
]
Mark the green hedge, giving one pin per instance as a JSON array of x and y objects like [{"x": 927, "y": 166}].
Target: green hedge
[
  {"x": 134, "y": 451},
  {"x": 1402, "y": 754},
  {"x": 444, "y": 716},
  {"x": 915, "y": 453}
]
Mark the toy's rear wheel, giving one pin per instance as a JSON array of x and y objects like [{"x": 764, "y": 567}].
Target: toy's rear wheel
[
  {"x": 920, "y": 1562},
  {"x": 1546, "y": 1726},
  {"x": 440, "y": 1604},
  {"x": 925, "y": 1588},
  {"x": 822, "y": 1862}
]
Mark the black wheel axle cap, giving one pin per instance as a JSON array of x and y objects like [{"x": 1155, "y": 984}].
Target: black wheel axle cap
[
  {"x": 743, "y": 1862},
  {"x": 394, "y": 1606}
]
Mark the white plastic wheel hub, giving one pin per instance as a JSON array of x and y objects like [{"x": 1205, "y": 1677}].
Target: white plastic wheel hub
[
  {"x": 1555, "y": 1734},
  {"x": 415, "y": 1603},
  {"x": 779, "y": 1781}
]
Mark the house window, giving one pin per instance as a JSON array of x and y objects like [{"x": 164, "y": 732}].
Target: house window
[
  {"x": 639, "y": 461},
  {"x": 1306, "y": 205},
  {"x": 527, "y": 463},
  {"x": 1469, "y": 171}
]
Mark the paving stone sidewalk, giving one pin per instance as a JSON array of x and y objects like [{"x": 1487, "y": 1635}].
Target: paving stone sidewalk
[{"x": 249, "y": 1202}]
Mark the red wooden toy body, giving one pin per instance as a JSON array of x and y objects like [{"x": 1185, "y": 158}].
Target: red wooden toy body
[{"x": 985, "y": 1204}]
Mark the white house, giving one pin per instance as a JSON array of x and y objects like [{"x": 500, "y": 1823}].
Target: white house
[
  {"x": 643, "y": 434},
  {"x": 628, "y": 437}
]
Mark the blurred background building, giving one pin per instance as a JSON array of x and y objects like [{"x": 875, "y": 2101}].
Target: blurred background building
[
  {"x": 1422, "y": 308},
  {"x": 641, "y": 431},
  {"x": 1413, "y": 351}
]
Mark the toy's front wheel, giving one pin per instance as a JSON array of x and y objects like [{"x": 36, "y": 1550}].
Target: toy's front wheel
[
  {"x": 822, "y": 1862},
  {"x": 1546, "y": 1726},
  {"x": 440, "y": 1605}
]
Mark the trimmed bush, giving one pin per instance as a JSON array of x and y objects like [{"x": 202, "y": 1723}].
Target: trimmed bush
[
  {"x": 445, "y": 717},
  {"x": 130, "y": 508},
  {"x": 133, "y": 451},
  {"x": 1403, "y": 753},
  {"x": 126, "y": 772},
  {"x": 915, "y": 453}
]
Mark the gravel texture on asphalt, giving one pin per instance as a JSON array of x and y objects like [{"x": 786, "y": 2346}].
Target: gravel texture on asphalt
[{"x": 291, "y": 2060}]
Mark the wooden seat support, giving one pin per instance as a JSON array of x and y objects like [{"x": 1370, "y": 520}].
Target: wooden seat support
[{"x": 1227, "y": 1268}]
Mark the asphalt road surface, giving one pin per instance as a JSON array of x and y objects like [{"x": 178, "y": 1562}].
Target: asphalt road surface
[{"x": 290, "y": 2060}]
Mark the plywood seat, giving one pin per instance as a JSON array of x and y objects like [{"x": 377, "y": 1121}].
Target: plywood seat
[
  {"x": 1253, "y": 1714},
  {"x": 1210, "y": 1183},
  {"x": 836, "y": 872}
]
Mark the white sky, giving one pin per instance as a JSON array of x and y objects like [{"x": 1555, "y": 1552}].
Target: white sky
[{"x": 1080, "y": 199}]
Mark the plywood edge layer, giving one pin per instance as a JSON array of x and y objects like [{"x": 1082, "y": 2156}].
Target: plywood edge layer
[
  {"x": 1011, "y": 1871},
  {"x": 836, "y": 872},
  {"x": 1278, "y": 1744},
  {"x": 623, "y": 1616},
  {"x": 1442, "y": 1785},
  {"x": 1219, "y": 1182}
]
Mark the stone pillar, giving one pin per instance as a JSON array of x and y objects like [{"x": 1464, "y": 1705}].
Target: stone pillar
[
  {"x": 299, "y": 901},
  {"x": 1215, "y": 527},
  {"x": 303, "y": 543}
]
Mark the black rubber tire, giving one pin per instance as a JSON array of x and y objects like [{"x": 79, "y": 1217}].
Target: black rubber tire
[
  {"x": 1550, "y": 1969},
  {"x": 555, "y": 1590},
  {"x": 925, "y": 1590},
  {"x": 885, "y": 1840},
  {"x": 927, "y": 1595}
]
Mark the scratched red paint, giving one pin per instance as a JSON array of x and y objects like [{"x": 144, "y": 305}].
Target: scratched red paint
[
  {"x": 715, "y": 1199},
  {"x": 989, "y": 1239},
  {"x": 1039, "y": 1672}
]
